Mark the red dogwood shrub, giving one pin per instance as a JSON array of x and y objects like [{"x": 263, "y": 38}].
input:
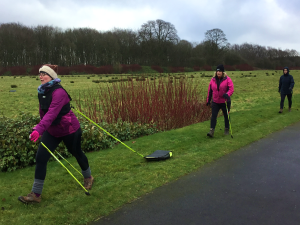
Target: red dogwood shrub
[
  {"x": 229, "y": 68},
  {"x": 164, "y": 104},
  {"x": 196, "y": 68},
  {"x": 244, "y": 67},
  {"x": 157, "y": 68},
  {"x": 207, "y": 68},
  {"x": 176, "y": 69}
]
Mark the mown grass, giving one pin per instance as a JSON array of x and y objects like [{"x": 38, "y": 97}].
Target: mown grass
[
  {"x": 249, "y": 91},
  {"x": 122, "y": 176},
  {"x": 25, "y": 97}
]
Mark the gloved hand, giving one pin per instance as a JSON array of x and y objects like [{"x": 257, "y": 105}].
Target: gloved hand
[
  {"x": 225, "y": 96},
  {"x": 207, "y": 103},
  {"x": 290, "y": 88},
  {"x": 34, "y": 136}
]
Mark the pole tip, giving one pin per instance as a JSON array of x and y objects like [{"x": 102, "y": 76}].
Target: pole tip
[{"x": 87, "y": 193}]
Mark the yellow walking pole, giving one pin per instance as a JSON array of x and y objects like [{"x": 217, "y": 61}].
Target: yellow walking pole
[
  {"x": 107, "y": 132},
  {"x": 228, "y": 119},
  {"x": 86, "y": 191},
  {"x": 68, "y": 162}
]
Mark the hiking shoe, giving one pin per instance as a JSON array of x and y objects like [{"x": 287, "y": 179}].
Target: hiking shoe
[
  {"x": 88, "y": 182},
  {"x": 211, "y": 132},
  {"x": 30, "y": 198},
  {"x": 226, "y": 131},
  {"x": 280, "y": 111},
  {"x": 290, "y": 109}
]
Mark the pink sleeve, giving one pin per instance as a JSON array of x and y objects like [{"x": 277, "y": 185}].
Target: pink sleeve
[
  {"x": 209, "y": 92},
  {"x": 59, "y": 99},
  {"x": 230, "y": 87}
]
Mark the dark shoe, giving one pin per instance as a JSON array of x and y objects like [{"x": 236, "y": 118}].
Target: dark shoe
[
  {"x": 211, "y": 132},
  {"x": 280, "y": 111},
  {"x": 226, "y": 131},
  {"x": 30, "y": 198},
  {"x": 88, "y": 183},
  {"x": 290, "y": 109}
]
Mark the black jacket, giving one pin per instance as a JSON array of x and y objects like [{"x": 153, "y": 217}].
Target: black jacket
[
  {"x": 46, "y": 99},
  {"x": 286, "y": 83}
]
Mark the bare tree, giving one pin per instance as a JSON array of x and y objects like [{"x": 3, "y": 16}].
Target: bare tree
[
  {"x": 217, "y": 37},
  {"x": 182, "y": 54},
  {"x": 157, "y": 39},
  {"x": 159, "y": 30},
  {"x": 216, "y": 44},
  {"x": 128, "y": 42}
]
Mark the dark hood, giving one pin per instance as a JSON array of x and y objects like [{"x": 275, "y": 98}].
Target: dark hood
[{"x": 287, "y": 70}]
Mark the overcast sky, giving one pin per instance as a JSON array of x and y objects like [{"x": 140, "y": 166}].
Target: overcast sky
[{"x": 273, "y": 23}]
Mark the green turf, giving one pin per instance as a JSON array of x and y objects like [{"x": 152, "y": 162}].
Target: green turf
[
  {"x": 25, "y": 97},
  {"x": 122, "y": 176},
  {"x": 249, "y": 91}
]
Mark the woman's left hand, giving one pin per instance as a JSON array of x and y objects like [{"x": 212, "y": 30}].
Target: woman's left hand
[{"x": 225, "y": 96}]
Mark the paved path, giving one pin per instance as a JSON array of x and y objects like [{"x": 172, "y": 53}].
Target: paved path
[{"x": 258, "y": 184}]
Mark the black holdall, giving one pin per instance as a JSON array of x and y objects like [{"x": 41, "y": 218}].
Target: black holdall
[{"x": 159, "y": 155}]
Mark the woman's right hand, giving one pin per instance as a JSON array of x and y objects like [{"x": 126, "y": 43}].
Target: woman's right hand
[{"x": 34, "y": 136}]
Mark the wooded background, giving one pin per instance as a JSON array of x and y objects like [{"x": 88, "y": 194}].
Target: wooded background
[{"x": 155, "y": 43}]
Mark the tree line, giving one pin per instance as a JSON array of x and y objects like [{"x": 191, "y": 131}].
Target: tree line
[{"x": 155, "y": 43}]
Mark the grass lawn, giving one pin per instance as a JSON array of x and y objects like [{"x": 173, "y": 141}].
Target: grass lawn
[{"x": 122, "y": 176}]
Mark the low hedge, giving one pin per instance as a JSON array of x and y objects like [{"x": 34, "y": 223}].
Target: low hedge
[{"x": 17, "y": 151}]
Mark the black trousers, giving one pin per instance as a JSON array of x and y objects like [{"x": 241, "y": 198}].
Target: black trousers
[
  {"x": 289, "y": 96},
  {"x": 215, "y": 108},
  {"x": 73, "y": 144}
]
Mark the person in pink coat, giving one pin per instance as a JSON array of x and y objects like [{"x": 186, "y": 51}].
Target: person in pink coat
[
  {"x": 58, "y": 123},
  {"x": 219, "y": 90}
]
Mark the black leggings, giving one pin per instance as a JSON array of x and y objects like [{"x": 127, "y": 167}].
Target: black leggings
[
  {"x": 73, "y": 144},
  {"x": 289, "y": 96},
  {"x": 215, "y": 108}
]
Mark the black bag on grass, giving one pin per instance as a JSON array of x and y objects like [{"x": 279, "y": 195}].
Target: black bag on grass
[{"x": 159, "y": 155}]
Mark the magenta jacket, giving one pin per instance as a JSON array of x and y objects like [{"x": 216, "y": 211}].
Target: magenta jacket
[
  {"x": 69, "y": 123},
  {"x": 215, "y": 93}
]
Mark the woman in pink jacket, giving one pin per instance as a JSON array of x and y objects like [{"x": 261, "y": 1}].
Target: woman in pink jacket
[
  {"x": 58, "y": 123},
  {"x": 219, "y": 90}
]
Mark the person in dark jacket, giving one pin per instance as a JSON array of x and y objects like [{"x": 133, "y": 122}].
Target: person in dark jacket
[
  {"x": 286, "y": 85},
  {"x": 58, "y": 123},
  {"x": 220, "y": 89}
]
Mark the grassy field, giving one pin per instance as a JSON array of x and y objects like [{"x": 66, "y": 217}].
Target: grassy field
[
  {"x": 120, "y": 175},
  {"x": 249, "y": 91}
]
